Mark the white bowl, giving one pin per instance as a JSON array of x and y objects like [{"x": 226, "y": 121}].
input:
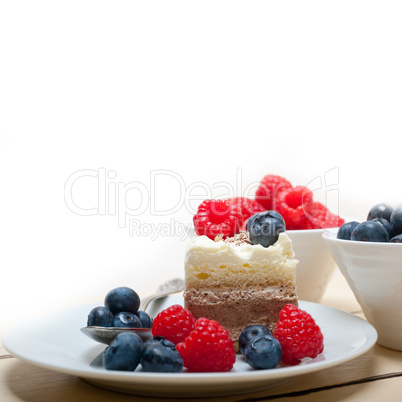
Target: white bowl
[
  {"x": 316, "y": 266},
  {"x": 374, "y": 273}
]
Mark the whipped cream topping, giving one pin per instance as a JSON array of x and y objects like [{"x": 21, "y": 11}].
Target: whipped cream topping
[
  {"x": 238, "y": 239},
  {"x": 238, "y": 262}
]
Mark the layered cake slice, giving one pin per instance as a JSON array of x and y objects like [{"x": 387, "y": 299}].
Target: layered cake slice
[{"x": 238, "y": 283}]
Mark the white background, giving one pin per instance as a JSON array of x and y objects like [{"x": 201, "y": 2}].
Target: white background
[{"x": 208, "y": 91}]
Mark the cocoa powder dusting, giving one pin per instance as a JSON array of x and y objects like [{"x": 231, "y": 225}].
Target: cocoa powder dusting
[{"x": 238, "y": 239}]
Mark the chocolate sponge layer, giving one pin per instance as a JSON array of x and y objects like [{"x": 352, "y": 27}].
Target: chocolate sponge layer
[{"x": 235, "y": 309}]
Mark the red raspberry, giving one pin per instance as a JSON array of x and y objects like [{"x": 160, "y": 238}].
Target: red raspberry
[
  {"x": 268, "y": 190},
  {"x": 320, "y": 217},
  {"x": 208, "y": 348},
  {"x": 173, "y": 323},
  {"x": 293, "y": 204},
  {"x": 298, "y": 335},
  {"x": 215, "y": 217},
  {"x": 248, "y": 206}
]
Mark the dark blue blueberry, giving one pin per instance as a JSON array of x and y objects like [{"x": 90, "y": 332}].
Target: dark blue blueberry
[
  {"x": 381, "y": 210},
  {"x": 387, "y": 226},
  {"x": 126, "y": 320},
  {"x": 161, "y": 356},
  {"x": 251, "y": 332},
  {"x": 124, "y": 352},
  {"x": 249, "y": 221},
  {"x": 274, "y": 214},
  {"x": 146, "y": 320},
  {"x": 122, "y": 299},
  {"x": 263, "y": 352},
  {"x": 346, "y": 230},
  {"x": 370, "y": 231},
  {"x": 396, "y": 220},
  {"x": 265, "y": 228},
  {"x": 396, "y": 239},
  {"x": 100, "y": 317}
]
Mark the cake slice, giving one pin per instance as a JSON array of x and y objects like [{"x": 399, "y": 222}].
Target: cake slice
[{"x": 238, "y": 283}]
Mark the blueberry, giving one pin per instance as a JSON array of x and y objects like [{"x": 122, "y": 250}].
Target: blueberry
[
  {"x": 161, "y": 356},
  {"x": 396, "y": 220},
  {"x": 146, "y": 320},
  {"x": 387, "y": 226},
  {"x": 277, "y": 215},
  {"x": 100, "y": 317},
  {"x": 124, "y": 352},
  {"x": 370, "y": 231},
  {"x": 250, "y": 221},
  {"x": 264, "y": 228},
  {"x": 251, "y": 332},
  {"x": 122, "y": 299},
  {"x": 126, "y": 320},
  {"x": 274, "y": 214},
  {"x": 396, "y": 239},
  {"x": 346, "y": 230},
  {"x": 263, "y": 352},
  {"x": 381, "y": 210}
]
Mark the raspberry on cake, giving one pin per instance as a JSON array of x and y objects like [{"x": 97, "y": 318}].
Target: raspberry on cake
[
  {"x": 217, "y": 217},
  {"x": 238, "y": 283}
]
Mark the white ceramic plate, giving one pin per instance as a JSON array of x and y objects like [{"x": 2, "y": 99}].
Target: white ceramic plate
[{"x": 55, "y": 342}]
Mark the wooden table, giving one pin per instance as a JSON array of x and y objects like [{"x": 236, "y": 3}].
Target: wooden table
[{"x": 375, "y": 376}]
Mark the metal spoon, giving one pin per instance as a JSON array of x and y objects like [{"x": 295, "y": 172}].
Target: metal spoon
[
  {"x": 171, "y": 286},
  {"x": 107, "y": 334}
]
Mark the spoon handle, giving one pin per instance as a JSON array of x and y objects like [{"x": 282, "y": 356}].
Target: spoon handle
[
  {"x": 146, "y": 300},
  {"x": 163, "y": 291}
]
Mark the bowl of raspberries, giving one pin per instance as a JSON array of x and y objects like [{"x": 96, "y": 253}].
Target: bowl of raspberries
[
  {"x": 305, "y": 220},
  {"x": 369, "y": 255}
]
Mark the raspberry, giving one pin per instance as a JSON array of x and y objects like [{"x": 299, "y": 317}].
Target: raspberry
[
  {"x": 173, "y": 323},
  {"x": 248, "y": 206},
  {"x": 293, "y": 204},
  {"x": 268, "y": 190},
  {"x": 320, "y": 217},
  {"x": 298, "y": 335},
  {"x": 215, "y": 217},
  {"x": 208, "y": 348}
]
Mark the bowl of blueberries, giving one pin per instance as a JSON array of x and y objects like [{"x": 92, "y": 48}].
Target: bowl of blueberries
[{"x": 369, "y": 255}]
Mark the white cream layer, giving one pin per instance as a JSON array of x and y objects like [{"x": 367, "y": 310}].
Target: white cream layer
[{"x": 210, "y": 263}]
